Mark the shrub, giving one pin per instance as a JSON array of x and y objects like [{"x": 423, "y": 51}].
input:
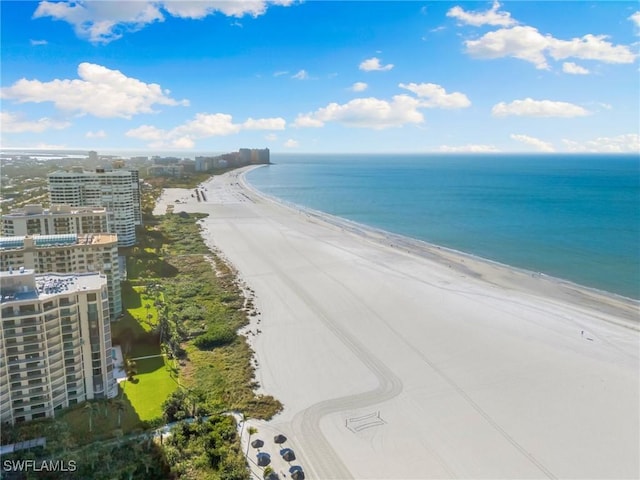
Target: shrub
[{"x": 216, "y": 336}]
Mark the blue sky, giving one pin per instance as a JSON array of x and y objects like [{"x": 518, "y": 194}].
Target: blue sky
[{"x": 321, "y": 76}]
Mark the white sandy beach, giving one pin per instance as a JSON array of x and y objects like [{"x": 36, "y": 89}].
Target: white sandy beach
[{"x": 395, "y": 359}]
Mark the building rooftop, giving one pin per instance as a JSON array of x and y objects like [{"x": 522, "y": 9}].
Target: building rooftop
[
  {"x": 68, "y": 239},
  {"x": 34, "y": 210},
  {"x": 23, "y": 284},
  {"x": 92, "y": 173}
]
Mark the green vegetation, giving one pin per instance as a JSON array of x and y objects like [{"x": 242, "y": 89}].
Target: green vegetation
[
  {"x": 183, "y": 306},
  {"x": 154, "y": 382},
  {"x": 206, "y": 449}
]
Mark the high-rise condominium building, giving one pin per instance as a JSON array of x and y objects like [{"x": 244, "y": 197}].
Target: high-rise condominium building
[
  {"x": 117, "y": 190},
  {"x": 70, "y": 253},
  {"x": 56, "y": 343},
  {"x": 59, "y": 219}
]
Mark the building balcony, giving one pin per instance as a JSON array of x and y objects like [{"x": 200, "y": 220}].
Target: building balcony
[
  {"x": 36, "y": 410},
  {"x": 53, "y": 352},
  {"x": 54, "y": 341},
  {"x": 8, "y": 313},
  {"x": 23, "y": 362},
  {"x": 25, "y": 398},
  {"x": 22, "y": 334},
  {"x": 69, "y": 329},
  {"x": 71, "y": 345}
]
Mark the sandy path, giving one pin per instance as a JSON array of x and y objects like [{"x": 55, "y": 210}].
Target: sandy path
[{"x": 396, "y": 359}]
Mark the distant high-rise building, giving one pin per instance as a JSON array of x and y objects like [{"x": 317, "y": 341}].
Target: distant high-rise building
[
  {"x": 56, "y": 343},
  {"x": 69, "y": 253},
  {"x": 93, "y": 155},
  {"x": 262, "y": 155},
  {"x": 117, "y": 190},
  {"x": 243, "y": 157},
  {"x": 59, "y": 219},
  {"x": 253, "y": 155}
]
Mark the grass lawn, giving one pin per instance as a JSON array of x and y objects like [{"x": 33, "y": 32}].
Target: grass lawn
[
  {"x": 136, "y": 302},
  {"x": 151, "y": 387},
  {"x": 144, "y": 350}
]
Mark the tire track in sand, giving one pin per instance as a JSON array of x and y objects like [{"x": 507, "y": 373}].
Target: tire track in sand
[{"x": 322, "y": 458}]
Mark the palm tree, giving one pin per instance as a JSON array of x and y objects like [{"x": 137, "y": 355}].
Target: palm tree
[
  {"x": 90, "y": 408},
  {"x": 147, "y": 461},
  {"x": 91, "y": 456},
  {"x": 129, "y": 469},
  {"x": 106, "y": 403},
  {"x": 120, "y": 406},
  {"x": 130, "y": 368}
]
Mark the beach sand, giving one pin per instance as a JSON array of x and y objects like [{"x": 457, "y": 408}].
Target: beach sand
[{"x": 396, "y": 359}]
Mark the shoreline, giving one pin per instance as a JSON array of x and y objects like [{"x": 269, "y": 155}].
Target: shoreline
[
  {"x": 626, "y": 306},
  {"x": 396, "y": 364}
]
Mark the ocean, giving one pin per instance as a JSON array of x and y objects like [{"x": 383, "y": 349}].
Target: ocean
[{"x": 575, "y": 217}]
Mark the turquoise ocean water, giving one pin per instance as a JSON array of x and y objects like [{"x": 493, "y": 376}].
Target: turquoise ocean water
[{"x": 575, "y": 217}]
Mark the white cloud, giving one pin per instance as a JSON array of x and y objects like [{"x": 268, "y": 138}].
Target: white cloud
[
  {"x": 105, "y": 21},
  {"x": 635, "y": 18},
  {"x": 231, "y": 8},
  {"x": 590, "y": 47},
  {"x": 435, "y": 96},
  {"x": 538, "y": 108},
  {"x": 12, "y": 123},
  {"x": 488, "y": 17},
  {"x": 468, "y": 149},
  {"x": 301, "y": 75},
  {"x": 207, "y": 125},
  {"x": 98, "y": 134},
  {"x": 101, "y": 22},
  {"x": 37, "y": 43},
  {"x": 203, "y": 125},
  {"x": 146, "y": 132},
  {"x": 359, "y": 87},
  {"x": 291, "y": 143},
  {"x": 99, "y": 91},
  {"x": 534, "y": 142},
  {"x": 203, "y": 8},
  {"x": 373, "y": 65},
  {"x": 307, "y": 121},
  {"x": 264, "y": 124},
  {"x": 280, "y": 73},
  {"x": 182, "y": 143},
  {"x": 526, "y": 43},
  {"x": 366, "y": 113},
  {"x": 574, "y": 69},
  {"x": 627, "y": 143},
  {"x": 271, "y": 137}
]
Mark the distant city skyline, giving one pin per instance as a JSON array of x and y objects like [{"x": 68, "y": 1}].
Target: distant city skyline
[{"x": 320, "y": 76}]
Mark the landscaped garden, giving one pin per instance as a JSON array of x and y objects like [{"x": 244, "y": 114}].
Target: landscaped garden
[{"x": 155, "y": 381}]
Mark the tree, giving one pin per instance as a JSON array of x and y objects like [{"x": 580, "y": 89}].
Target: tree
[
  {"x": 120, "y": 406},
  {"x": 90, "y": 408},
  {"x": 130, "y": 368},
  {"x": 147, "y": 461},
  {"x": 91, "y": 456}
]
